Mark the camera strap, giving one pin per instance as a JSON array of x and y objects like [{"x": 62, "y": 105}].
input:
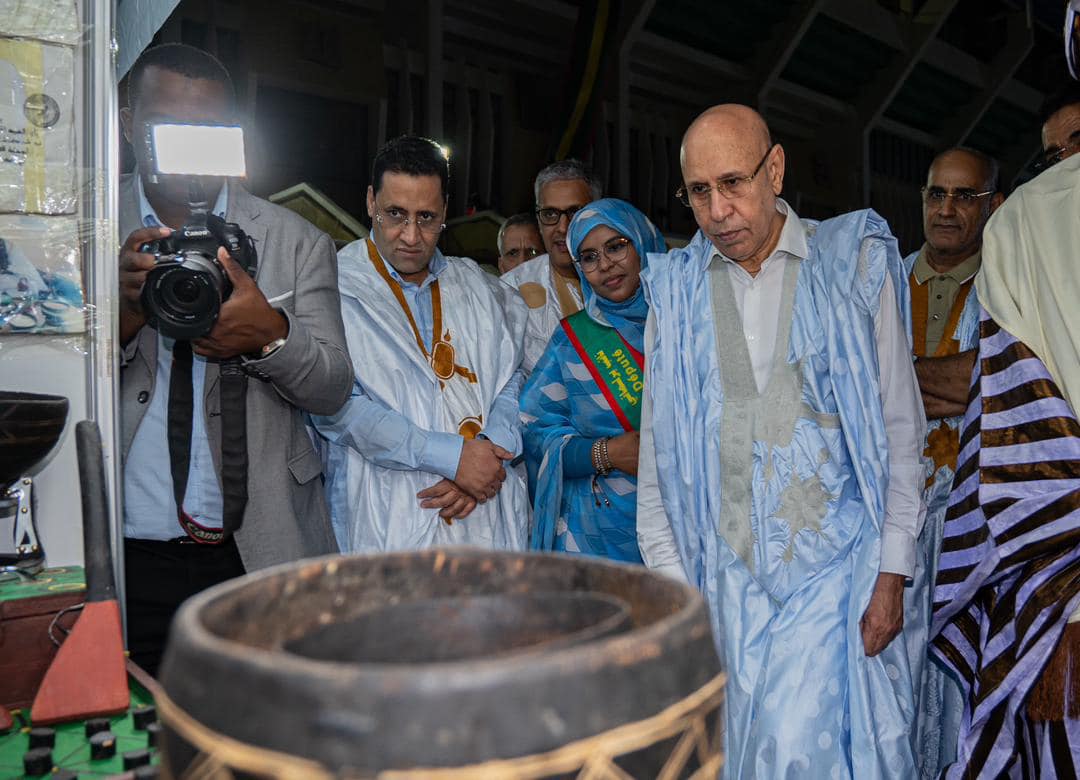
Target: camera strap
[
  {"x": 234, "y": 463},
  {"x": 234, "y": 454}
]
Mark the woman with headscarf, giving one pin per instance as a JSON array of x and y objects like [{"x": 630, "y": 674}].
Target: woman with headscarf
[{"x": 582, "y": 403}]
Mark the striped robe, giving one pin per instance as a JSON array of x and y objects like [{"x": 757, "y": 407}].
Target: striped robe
[{"x": 1009, "y": 575}]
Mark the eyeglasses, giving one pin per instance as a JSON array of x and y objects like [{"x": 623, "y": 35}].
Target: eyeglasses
[
  {"x": 551, "y": 216},
  {"x": 397, "y": 219},
  {"x": 1052, "y": 157},
  {"x": 614, "y": 250},
  {"x": 963, "y": 197},
  {"x": 731, "y": 187}
]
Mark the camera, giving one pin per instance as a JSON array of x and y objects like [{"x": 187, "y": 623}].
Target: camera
[{"x": 184, "y": 291}]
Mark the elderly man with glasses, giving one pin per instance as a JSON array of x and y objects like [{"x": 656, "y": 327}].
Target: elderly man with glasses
[
  {"x": 417, "y": 456},
  {"x": 548, "y": 283},
  {"x": 780, "y": 468},
  {"x": 960, "y": 194}
]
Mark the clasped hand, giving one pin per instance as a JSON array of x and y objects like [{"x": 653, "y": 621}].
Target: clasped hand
[
  {"x": 480, "y": 471},
  {"x": 479, "y": 476}
]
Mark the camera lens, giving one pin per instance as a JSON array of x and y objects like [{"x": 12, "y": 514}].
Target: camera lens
[
  {"x": 182, "y": 295},
  {"x": 186, "y": 291}
]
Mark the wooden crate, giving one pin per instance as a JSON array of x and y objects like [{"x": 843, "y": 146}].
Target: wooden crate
[{"x": 27, "y": 607}]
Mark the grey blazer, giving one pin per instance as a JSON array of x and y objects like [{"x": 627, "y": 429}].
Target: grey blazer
[{"x": 286, "y": 516}]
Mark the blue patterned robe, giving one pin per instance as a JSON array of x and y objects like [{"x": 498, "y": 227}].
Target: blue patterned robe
[
  {"x": 561, "y": 401},
  {"x": 803, "y": 698}
]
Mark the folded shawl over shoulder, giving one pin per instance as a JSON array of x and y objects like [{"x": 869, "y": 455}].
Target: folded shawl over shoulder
[
  {"x": 562, "y": 401},
  {"x": 1029, "y": 282}
]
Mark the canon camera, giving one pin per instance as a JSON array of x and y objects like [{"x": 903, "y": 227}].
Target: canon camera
[{"x": 184, "y": 291}]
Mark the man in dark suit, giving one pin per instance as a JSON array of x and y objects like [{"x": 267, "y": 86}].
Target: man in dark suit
[{"x": 284, "y": 326}]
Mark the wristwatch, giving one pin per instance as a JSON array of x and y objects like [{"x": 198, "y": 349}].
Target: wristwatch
[{"x": 269, "y": 349}]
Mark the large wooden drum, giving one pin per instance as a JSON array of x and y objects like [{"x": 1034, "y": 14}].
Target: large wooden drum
[{"x": 445, "y": 664}]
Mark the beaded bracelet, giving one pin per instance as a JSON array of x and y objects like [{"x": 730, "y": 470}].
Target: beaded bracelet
[{"x": 601, "y": 460}]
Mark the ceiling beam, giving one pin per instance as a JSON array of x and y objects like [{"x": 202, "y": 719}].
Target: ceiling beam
[
  {"x": 907, "y": 132},
  {"x": 773, "y": 58},
  {"x": 485, "y": 38},
  {"x": 433, "y": 82},
  {"x": 870, "y": 19},
  {"x": 631, "y": 22},
  {"x": 956, "y": 62},
  {"x": 649, "y": 44},
  {"x": 917, "y": 34},
  {"x": 1020, "y": 38},
  {"x": 1020, "y": 94}
]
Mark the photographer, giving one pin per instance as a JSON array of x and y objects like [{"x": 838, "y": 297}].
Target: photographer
[{"x": 189, "y": 520}]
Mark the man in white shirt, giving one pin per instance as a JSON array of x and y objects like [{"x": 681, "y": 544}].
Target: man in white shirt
[
  {"x": 549, "y": 284},
  {"x": 780, "y": 465}
]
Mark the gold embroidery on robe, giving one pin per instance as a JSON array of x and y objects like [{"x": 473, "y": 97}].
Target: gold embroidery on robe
[
  {"x": 942, "y": 447},
  {"x": 534, "y": 294},
  {"x": 470, "y": 427},
  {"x": 442, "y": 361}
]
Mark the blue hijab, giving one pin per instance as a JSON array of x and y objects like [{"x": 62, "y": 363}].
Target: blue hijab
[{"x": 627, "y": 317}]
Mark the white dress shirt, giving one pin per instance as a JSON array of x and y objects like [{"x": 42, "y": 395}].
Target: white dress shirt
[{"x": 757, "y": 299}]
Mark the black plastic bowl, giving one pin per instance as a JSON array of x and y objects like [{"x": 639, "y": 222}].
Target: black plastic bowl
[{"x": 30, "y": 426}]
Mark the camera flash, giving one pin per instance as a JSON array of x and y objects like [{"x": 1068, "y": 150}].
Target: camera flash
[{"x": 198, "y": 150}]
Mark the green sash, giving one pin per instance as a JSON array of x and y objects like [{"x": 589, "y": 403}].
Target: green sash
[{"x": 616, "y": 367}]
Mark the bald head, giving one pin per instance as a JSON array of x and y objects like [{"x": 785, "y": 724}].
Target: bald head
[
  {"x": 733, "y": 174},
  {"x": 987, "y": 167},
  {"x": 727, "y": 123}
]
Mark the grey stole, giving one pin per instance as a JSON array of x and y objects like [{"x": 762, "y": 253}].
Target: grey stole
[{"x": 767, "y": 417}]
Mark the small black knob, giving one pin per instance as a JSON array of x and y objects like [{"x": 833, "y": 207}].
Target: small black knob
[
  {"x": 153, "y": 735},
  {"x": 94, "y": 725},
  {"x": 42, "y": 736},
  {"x": 143, "y": 396},
  {"x": 136, "y": 758},
  {"x": 102, "y": 746},
  {"x": 146, "y": 772},
  {"x": 38, "y": 761},
  {"x": 144, "y": 716}
]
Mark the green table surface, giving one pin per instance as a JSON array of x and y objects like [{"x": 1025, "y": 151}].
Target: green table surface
[
  {"x": 63, "y": 579},
  {"x": 72, "y": 749}
]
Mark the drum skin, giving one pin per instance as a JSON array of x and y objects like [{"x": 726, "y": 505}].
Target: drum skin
[{"x": 443, "y": 663}]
